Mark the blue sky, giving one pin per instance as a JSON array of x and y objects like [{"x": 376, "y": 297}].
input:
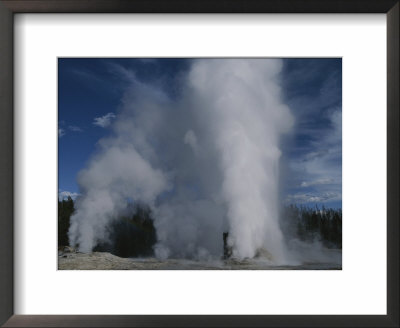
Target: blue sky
[{"x": 90, "y": 93}]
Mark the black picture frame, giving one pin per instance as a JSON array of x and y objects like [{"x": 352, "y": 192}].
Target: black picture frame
[{"x": 10, "y": 7}]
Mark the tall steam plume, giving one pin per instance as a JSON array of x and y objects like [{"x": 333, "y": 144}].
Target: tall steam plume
[{"x": 205, "y": 163}]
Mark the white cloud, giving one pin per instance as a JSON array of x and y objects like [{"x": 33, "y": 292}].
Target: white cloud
[
  {"x": 75, "y": 128},
  {"x": 316, "y": 182},
  {"x": 104, "y": 121},
  {"x": 63, "y": 194},
  {"x": 61, "y": 132},
  {"x": 303, "y": 198}
]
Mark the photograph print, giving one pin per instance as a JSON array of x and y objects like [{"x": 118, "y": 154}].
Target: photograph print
[{"x": 199, "y": 163}]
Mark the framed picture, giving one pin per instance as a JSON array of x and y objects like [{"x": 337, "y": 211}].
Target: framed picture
[{"x": 199, "y": 164}]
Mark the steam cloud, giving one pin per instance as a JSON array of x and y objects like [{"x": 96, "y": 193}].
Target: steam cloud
[{"x": 205, "y": 163}]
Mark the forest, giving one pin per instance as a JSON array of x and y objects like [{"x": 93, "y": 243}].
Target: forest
[
  {"x": 313, "y": 224},
  {"x": 135, "y": 235}
]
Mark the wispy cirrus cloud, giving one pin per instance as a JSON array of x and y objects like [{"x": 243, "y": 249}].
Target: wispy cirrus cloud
[
  {"x": 61, "y": 132},
  {"x": 74, "y": 128},
  {"x": 316, "y": 182},
  {"x": 319, "y": 168},
  {"x": 104, "y": 121},
  {"x": 315, "y": 155},
  {"x": 304, "y": 198}
]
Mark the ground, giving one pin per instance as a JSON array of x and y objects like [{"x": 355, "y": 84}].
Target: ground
[{"x": 107, "y": 261}]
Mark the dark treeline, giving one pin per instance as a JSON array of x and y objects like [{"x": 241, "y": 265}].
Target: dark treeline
[
  {"x": 313, "y": 224},
  {"x": 133, "y": 234},
  {"x": 65, "y": 210}
]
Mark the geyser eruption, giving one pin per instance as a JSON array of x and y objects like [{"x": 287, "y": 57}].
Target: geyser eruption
[{"x": 206, "y": 162}]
